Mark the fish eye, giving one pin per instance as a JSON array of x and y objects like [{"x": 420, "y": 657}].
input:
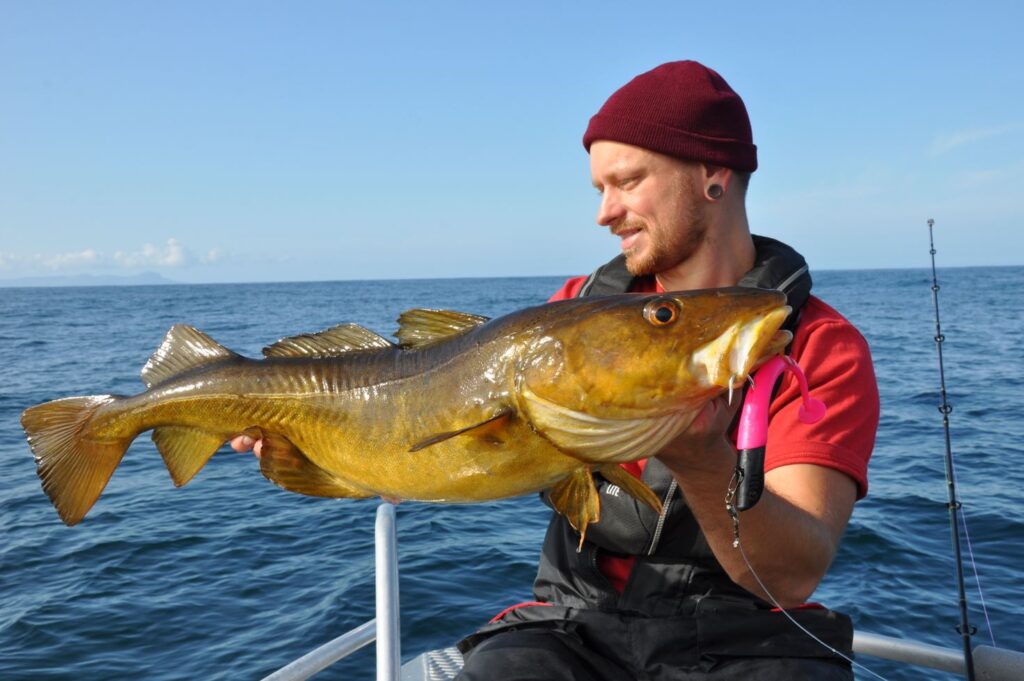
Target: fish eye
[{"x": 661, "y": 312}]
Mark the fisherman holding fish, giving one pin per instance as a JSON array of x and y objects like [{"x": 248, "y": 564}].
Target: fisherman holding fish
[
  {"x": 669, "y": 596},
  {"x": 672, "y": 595},
  {"x": 617, "y": 406}
]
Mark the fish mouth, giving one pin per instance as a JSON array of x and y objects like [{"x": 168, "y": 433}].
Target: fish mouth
[{"x": 727, "y": 360}]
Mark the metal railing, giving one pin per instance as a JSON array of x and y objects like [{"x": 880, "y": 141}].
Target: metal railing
[
  {"x": 384, "y": 627},
  {"x": 991, "y": 664}
]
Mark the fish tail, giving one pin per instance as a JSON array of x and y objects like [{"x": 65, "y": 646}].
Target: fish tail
[{"x": 73, "y": 462}]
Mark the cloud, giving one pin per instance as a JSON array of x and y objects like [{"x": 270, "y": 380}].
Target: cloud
[
  {"x": 945, "y": 143},
  {"x": 173, "y": 255},
  {"x": 63, "y": 261},
  {"x": 8, "y": 260},
  {"x": 53, "y": 262}
]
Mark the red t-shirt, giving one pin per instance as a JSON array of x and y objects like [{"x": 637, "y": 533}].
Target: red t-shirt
[{"x": 837, "y": 362}]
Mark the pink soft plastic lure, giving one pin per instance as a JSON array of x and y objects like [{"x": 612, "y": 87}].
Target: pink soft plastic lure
[{"x": 752, "y": 433}]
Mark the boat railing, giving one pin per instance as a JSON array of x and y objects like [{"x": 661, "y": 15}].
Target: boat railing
[
  {"x": 384, "y": 628},
  {"x": 990, "y": 663}
]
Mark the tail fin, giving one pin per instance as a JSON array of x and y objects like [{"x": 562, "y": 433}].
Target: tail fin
[{"x": 73, "y": 466}]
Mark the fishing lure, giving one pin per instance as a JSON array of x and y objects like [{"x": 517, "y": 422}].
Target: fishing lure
[{"x": 752, "y": 434}]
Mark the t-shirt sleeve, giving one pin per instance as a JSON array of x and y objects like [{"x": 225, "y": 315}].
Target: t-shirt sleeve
[
  {"x": 837, "y": 362},
  {"x": 569, "y": 289}
]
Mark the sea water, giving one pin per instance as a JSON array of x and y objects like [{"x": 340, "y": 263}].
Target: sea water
[{"x": 231, "y": 577}]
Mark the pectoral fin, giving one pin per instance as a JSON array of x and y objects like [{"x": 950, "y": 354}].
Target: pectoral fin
[
  {"x": 490, "y": 427},
  {"x": 576, "y": 498},
  {"x": 286, "y": 466},
  {"x": 186, "y": 450},
  {"x": 637, "y": 488}
]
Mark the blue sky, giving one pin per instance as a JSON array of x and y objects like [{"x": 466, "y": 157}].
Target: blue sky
[{"x": 259, "y": 141}]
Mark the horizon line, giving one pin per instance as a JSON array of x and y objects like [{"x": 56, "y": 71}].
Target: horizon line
[{"x": 126, "y": 279}]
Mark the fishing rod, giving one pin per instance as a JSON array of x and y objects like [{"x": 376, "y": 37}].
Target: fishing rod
[{"x": 964, "y": 628}]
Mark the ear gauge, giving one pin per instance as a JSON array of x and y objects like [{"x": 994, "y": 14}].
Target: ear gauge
[{"x": 715, "y": 192}]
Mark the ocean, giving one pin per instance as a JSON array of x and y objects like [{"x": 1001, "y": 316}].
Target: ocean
[{"x": 231, "y": 577}]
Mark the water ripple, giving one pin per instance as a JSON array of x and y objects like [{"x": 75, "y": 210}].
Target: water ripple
[{"x": 230, "y": 577}]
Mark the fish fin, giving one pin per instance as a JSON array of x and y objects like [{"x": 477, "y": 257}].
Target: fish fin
[
  {"x": 576, "y": 498},
  {"x": 184, "y": 348},
  {"x": 73, "y": 466},
  {"x": 637, "y": 488},
  {"x": 186, "y": 450},
  {"x": 420, "y": 326},
  {"x": 286, "y": 466},
  {"x": 490, "y": 427},
  {"x": 331, "y": 342}
]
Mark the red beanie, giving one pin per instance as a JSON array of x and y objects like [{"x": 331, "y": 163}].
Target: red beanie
[{"x": 682, "y": 109}]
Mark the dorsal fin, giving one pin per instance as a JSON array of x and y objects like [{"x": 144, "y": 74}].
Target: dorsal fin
[
  {"x": 328, "y": 343},
  {"x": 184, "y": 348},
  {"x": 420, "y": 326}
]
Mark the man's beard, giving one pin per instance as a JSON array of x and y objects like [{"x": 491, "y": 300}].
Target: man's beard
[{"x": 665, "y": 251}]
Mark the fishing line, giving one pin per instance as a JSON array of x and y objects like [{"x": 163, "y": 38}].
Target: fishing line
[
  {"x": 974, "y": 567},
  {"x": 731, "y": 508},
  {"x": 955, "y": 509}
]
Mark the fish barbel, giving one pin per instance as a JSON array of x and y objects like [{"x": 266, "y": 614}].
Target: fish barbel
[{"x": 461, "y": 409}]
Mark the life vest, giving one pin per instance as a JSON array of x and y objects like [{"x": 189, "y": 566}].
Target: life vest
[
  {"x": 677, "y": 593},
  {"x": 670, "y": 550}
]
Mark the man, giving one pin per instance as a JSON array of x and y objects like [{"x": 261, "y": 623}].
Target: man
[{"x": 671, "y": 597}]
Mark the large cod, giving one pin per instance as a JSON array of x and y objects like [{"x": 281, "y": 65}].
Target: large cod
[{"x": 461, "y": 409}]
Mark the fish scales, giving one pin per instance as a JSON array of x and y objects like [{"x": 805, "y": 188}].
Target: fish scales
[{"x": 463, "y": 409}]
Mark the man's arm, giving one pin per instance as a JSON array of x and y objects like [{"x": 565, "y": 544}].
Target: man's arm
[{"x": 790, "y": 536}]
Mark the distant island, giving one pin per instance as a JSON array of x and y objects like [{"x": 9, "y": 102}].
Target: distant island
[{"x": 141, "y": 279}]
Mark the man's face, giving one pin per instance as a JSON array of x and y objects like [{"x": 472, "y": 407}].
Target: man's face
[{"x": 652, "y": 202}]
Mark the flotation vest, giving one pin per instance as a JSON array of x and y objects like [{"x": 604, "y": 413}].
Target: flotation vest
[
  {"x": 677, "y": 593},
  {"x": 672, "y": 555}
]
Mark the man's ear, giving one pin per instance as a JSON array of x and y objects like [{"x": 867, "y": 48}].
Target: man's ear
[{"x": 716, "y": 181}]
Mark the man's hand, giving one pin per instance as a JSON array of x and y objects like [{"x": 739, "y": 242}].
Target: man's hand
[
  {"x": 694, "y": 448},
  {"x": 790, "y": 536},
  {"x": 244, "y": 443}
]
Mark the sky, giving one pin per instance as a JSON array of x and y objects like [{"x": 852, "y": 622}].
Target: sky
[{"x": 268, "y": 141}]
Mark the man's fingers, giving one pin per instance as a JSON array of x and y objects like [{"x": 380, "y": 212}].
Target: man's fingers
[{"x": 243, "y": 443}]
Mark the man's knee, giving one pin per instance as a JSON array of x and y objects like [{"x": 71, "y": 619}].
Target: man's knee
[
  {"x": 781, "y": 669},
  {"x": 534, "y": 654}
]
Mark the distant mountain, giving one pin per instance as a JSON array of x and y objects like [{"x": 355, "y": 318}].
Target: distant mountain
[{"x": 141, "y": 279}]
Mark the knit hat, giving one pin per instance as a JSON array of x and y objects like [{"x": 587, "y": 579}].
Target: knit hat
[{"x": 682, "y": 109}]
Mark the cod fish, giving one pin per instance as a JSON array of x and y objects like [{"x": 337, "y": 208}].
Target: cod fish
[{"x": 461, "y": 409}]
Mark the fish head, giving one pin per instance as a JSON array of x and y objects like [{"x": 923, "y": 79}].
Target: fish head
[{"x": 636, "y": 369}]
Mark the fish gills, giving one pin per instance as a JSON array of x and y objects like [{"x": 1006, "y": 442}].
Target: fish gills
[{"x": 73, "y": 466}]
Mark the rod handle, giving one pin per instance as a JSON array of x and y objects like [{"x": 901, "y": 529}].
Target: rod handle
[{"x": 751, "y": 482}]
